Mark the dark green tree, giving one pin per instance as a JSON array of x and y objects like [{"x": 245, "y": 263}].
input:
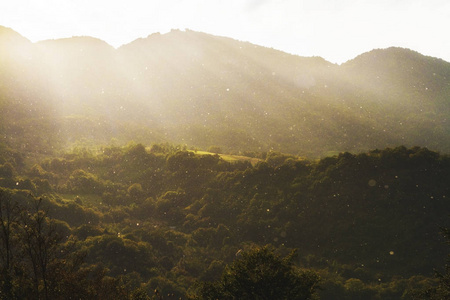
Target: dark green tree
[
  {"x": 442, "y": 289},
  {"x": 9, "y": 214},
  {"x": 261, "y": 274},
  {"x": 40, "y": 245}
]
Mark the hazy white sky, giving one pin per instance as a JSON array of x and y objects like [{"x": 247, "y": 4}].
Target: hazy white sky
[{"x": 336, "y": 30}]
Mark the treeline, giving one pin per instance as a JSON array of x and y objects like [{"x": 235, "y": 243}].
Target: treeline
[{"x": 152, "y": 222}]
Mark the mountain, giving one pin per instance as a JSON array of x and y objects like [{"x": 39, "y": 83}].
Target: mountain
[{"x": 193, "y": 88}]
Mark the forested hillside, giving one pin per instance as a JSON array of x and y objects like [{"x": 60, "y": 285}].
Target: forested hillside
[
  {"x": 131, "y": 221},
  {"x": 191, "y": 88},
  {"x": 186, "y": 165}
]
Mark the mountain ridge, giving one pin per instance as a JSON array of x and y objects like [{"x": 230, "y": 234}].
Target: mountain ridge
[
  {"x": 4, "y": 30},
  {"x": 197, "y": 89}
]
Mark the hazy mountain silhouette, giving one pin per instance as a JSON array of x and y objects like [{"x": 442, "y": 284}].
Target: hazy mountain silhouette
[{"x": 198, "y": 89}]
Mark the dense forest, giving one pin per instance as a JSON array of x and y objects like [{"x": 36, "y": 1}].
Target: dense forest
[
  {"x": 137, "y": 222},
  {"x": 191, "y": 166}
]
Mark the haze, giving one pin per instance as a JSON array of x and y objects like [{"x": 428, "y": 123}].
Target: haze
[
  {"x": 188, "y": 165},
  {"x": 334, "y": 30}
]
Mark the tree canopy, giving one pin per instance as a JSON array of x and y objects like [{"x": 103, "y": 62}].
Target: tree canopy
[{"x": 261, "y": 274}]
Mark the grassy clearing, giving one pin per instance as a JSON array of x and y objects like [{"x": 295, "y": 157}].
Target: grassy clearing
[{"x": 230, "y": 158}]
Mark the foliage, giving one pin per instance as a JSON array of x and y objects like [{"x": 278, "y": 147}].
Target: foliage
[
  {"x": 441, "y": 288},
  {"x": 261, "y": 274},
  {"x": 139, "y": 220}
]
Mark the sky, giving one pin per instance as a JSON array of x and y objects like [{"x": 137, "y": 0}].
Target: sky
[{"x": 337, "y": 30}]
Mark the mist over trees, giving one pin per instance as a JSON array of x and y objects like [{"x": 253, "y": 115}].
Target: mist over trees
[
  {"x": 201, "y": 90},
  {"x": 192, "y": 166}
]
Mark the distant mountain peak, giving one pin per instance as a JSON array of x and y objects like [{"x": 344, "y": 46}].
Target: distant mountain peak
[
  {"x": 393, "y": 54},
  {"x": 9, "y": 36},
  {"x": 77, "y": 41}
]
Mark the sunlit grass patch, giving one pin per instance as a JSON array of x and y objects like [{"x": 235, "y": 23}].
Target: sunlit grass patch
[{"x": 229, "y": 157}]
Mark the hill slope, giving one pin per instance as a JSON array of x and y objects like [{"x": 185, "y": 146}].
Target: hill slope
[{"x": 202, "y": 90}]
